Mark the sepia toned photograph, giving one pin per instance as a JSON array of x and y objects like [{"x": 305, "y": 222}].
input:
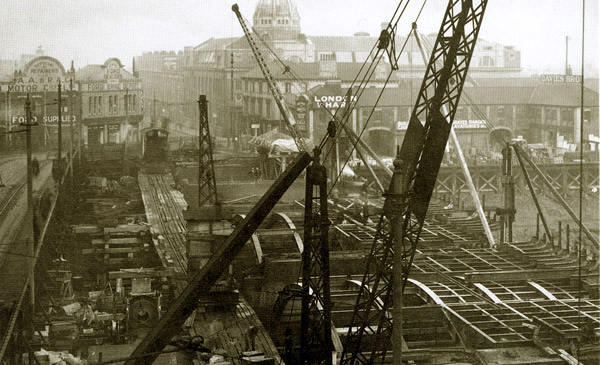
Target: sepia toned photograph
[{"x": 269, "y": 182}]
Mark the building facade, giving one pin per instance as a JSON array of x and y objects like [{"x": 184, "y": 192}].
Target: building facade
[
  {"x": 40, "y": 79},
  {"x": 490, "y": 112},
  {"x": 220, "y": 68},
  {"x": 111, "y": 103}
]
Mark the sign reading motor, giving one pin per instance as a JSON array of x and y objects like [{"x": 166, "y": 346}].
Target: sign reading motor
[{"x": 41, "y": 74}]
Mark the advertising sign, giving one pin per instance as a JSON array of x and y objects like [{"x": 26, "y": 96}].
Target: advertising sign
[
  {"x": 458, "y": 124},
  {"x": 45, "y": 119},
  {"x": 301, "y": 110},
  {"x": 558, "y": 79},
  {"x": 39, "y": 75}
]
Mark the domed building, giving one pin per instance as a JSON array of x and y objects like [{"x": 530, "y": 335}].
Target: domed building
[
  {"x": 225, "y": 70},
  {"x": 276, "y": 19}
]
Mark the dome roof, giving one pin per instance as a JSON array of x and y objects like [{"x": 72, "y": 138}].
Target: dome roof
[
  {"x": 277, "y": 19},
  {"x": 276, "y": 8}
]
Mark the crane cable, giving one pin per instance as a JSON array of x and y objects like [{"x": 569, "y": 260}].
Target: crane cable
[
  {"x": 366, "y": 78},
  {"x": 378, "y": 99},
  {"x": 377, "y": 58}
]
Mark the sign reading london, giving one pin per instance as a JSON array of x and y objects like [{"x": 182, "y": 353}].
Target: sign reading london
[{"x": 40, "y": 75}]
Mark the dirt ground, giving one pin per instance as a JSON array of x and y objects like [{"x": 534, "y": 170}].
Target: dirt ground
[{"x": 525, "y": 220}]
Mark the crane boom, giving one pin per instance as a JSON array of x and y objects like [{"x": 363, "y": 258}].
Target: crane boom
[
  {"x": 277, "y": 95},
  {"x": 170, "y": 324},
  {"x": 422, "y": 151}
]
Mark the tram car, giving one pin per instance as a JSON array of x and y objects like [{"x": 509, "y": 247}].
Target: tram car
[{"x": 156, "y": 145}]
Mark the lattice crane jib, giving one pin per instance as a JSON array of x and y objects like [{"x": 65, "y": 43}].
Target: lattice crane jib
[
  {"x": 207, "y": 187},
  {"x": 422, "y": 152},
  {"x": 316, "y": 330},
  {"x": 315, "y": 326},
  {"x": 286, "y": 114}
]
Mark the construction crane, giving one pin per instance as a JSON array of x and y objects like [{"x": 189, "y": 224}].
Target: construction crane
[
  {"x": 286, "y": 114},
  {"x": 416, "y": 169},
  {"x": 315, "y": 324}
]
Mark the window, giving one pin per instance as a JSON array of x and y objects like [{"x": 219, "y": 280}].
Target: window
[
  {"x": 99, "y": 106},
  {"x": 268, "y": 109},
  {"x": 486, "y": 61},
  {"x": 90, "y": 106},
  {"x": 377, "y": 115},
  {"x": 566, "y": 116},
  {"x": 133, "y": 102},
  {"x": 501, "y": 113},
  {"x": 116, "y": 104},
  {"x": 587, "y": 115},
  {"x": 461, "y": 113},
  {"x": 327, "y": 57}
]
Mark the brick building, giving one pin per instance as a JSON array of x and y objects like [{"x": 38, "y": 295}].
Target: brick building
[
  {"x": 540, "y": 112},
  {"x": 111, "y": 103},
  {"x": 219, "y": 68},
  {"x": 39, "y": 78}
]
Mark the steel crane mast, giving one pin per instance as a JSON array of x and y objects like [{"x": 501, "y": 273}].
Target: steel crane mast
[
  {"x": 207, "y": 185},
  {"x": 315, "y": 324},
  {"x": 405, "y": 207},
  {"x": 285, "y": 112}
]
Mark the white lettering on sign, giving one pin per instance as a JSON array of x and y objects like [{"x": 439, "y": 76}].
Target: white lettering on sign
[
  {"x": 113, "y": 71},
  {"x": 570, "y": 79},
  {"x": 45, "y": 119},
  {"x": 458, "y": 124},
  {"x": 111, "y": 85},
  {"x": 330, "y": 101},
  {"x": 41, "y": 74},
  {"x": 23, "y": 120}
]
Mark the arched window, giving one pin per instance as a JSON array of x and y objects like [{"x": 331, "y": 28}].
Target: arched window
[{"x": 486, "y": 61}]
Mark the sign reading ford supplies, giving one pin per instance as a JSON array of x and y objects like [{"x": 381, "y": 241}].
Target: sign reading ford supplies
[{"x": 569, "y": 79}]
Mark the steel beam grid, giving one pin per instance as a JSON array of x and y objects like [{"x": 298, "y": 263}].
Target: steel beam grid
[
  {"x": 498, "y": 323},
  {"x": 562, "y": 315},
  {"x": 555, "y": 288},
  {"x": 315, "y": 344},
  {"x": 508, "y": 292},
  {"x": 423, "y": 150},
  {"x": 207, "y": 186}
]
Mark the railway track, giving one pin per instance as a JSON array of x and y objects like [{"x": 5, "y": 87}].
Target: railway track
[
  {"x": 7, "y": 201},
  {"x": 164, "y": 208}
]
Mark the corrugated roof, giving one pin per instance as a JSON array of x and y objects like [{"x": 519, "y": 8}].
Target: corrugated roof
[
  {"x": 564, "y": 94},
  {"x": 96, "y": 72},
  {"x": 342, "y": 43},
  {"x": 346, "y": 71},
  {"x": 545, "y": 94},
  {"x": 216, "y": 43}
]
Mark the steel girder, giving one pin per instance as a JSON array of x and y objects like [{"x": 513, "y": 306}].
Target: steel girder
[
  {"x": 422, "y": 152},
  {"x": 207, "y": 186},
  {"x": 315, "y": 344},
  {"x": 170, "y": 324}
]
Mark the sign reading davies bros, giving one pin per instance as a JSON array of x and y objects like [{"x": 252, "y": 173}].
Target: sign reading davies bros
[{"x": 40, "y": 75}]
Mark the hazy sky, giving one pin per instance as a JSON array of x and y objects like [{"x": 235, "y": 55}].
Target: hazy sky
[{"x": 90, "y": 31}]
